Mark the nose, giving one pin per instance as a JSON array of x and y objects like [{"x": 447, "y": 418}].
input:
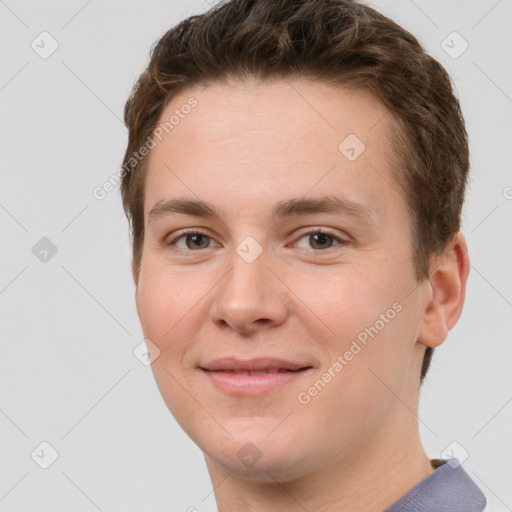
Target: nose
[{"x": 250, "y": 297}]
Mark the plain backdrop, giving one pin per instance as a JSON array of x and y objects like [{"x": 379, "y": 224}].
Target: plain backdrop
[{"x": 69, "y": 377}]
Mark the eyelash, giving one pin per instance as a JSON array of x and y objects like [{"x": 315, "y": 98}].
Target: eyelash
[{"x": 340, "y": 241}]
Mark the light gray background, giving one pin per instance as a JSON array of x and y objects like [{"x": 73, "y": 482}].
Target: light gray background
[{"x": 69, "y": 325}]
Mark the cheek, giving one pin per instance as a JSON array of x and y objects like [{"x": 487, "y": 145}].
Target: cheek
[
  {"x": 371, "y": 324},
  {"x": 348, "y": 301},
  {"x": 373, "y": 359},
  {"x": 165, "y": 304}
]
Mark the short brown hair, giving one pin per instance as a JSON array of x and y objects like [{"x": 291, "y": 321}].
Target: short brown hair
[{"x": 340, "y": 42}]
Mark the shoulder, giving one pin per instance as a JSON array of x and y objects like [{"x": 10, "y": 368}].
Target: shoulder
[{"x": 447, "y": 488}]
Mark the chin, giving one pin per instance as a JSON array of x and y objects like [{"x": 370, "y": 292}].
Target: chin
[
  {"x": 271, "y": 468},
  {"x": 255, "y": 455}
]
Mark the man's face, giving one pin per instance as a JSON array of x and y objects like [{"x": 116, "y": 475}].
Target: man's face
[{"x": 251, "y": 284}]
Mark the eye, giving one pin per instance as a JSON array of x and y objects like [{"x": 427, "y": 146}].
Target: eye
[
  {"x": 193, "y": 240},
  {"x": 318, "y": 239},
  {"x": 321, "y": 240}
]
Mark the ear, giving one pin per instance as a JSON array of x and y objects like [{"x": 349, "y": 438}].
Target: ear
[{"x": 447, "y": 282}]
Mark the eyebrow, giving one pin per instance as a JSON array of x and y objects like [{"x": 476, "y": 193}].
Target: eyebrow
[{"x": 282, "y": 209}]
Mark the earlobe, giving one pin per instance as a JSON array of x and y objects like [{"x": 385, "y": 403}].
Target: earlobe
[{"x": 447, "y": 282}]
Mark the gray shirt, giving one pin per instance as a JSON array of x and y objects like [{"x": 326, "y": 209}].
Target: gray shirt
[{"x": 447, "y": 489}]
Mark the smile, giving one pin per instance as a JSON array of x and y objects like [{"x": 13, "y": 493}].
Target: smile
[{"x": 253, "y": 382}]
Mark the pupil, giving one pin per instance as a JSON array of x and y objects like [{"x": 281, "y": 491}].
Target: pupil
[
  {"x": 319, "y": 238},
  {"x": 194, "y": 238}
]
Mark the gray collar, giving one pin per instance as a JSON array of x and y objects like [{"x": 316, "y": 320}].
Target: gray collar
[{"x": 447, "y": 489}]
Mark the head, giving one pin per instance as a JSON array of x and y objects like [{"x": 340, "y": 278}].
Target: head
[{"x": 245, "y": 108}]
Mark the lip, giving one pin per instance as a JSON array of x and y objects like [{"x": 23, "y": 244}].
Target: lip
[
  {"x": 256, "y": 364},
  {"x": 236, "y": 376}
]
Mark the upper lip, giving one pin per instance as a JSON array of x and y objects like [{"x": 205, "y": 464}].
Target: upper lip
[{"x": 259, "y": 364}]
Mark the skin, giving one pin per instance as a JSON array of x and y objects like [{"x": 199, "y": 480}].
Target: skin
[{"x": 246, "y": 146}]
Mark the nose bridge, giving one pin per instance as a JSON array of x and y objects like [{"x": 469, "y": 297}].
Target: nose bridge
[{"x": 249, "y": 292}]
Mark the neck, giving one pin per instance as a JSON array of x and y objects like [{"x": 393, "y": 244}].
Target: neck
[{"x": 372, "y": 478}]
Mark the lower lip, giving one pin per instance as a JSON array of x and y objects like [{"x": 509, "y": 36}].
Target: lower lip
[{"x": 252, "y": 385}]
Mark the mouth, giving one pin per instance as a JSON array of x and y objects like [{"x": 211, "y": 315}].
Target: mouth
[
  {"x": 253, "y": 377},
  {"x": 257, "y": 372}
]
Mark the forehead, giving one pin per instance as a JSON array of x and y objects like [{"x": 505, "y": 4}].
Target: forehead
[
  {"x": 256, "y": 140},
  {"x": 234, "y": 113}
]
